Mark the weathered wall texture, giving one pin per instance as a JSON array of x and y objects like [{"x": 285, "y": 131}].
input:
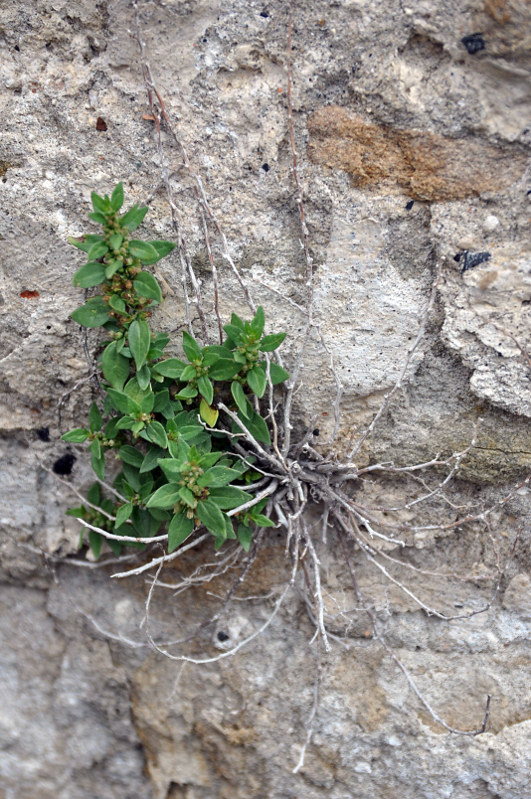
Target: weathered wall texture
[{"x": 414, "y": 147}]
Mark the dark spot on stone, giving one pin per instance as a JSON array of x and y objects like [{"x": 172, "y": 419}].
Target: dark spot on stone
[
  {"x": 264, "y": 14},
  {"x": 101, "y": 124},
  {"x": 17, "y": 48},
  {"x": 409, "y": 205},
  {"x": 474, "y": 42},
  {"x": 265, "y": 167},
  {"x": 315, "y": 432},
  {"x": 471, "y": 259},
  {"x": 222, "y": 636},
  {"x": 205, "y": 41},
  {"x": 63, "y": 465},
  {"x": 43, "y": 433}
]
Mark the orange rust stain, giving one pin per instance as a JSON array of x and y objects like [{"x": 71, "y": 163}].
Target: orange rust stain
[
  {"x": 422, "y": 164},
  {"x": 29, "y": 295}
]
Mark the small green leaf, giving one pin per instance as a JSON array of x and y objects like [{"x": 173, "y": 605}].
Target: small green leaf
[
  {"x": 187, "y": 497},
  {"x": 270, "y": 343},
  {"x": 143, "y": 250},
  {"x": 139, "y": 340},
  {"x": 98, "y": 203},
  {"x": 131, "y": 455},
  {"x": 115, "y": 366},
  {"x": 211, "y": 516},
  {"x": 258, "y": 322},
  {"x": 188, "y": 392},
  {"x": 171, "y": 367},
  {"x": 76, "y": 436},
  {"x": 179, "y": 530},
  {"x": 229, "y": 497},
  {"x": 208, "y": 414},
  {"x": 256, "y": 378},
  {"x": 117, "y": 197},
  {"x": 92, "y": 274},
  {"x": 277, "y": 373},
  {"x": 95, "y": 541},
  {"x": 134, "y": 217},
  {"x": 117, "y": 304},
  {"x": 234, "y": 333},
  {"x": 113, "y": 267},
  {"x": 115, "y": 241},
  {"x": 263, "y": 521},
  {"x": 98, "y": 250},
  {"x": 146, "y": 286},
  {"x": 143, "y": 376},
  {"x": 92, "y": 314},
  {"x": 95, "y": 419},
  {"x": 258, "y": 428},
  {"x": 151, "y": 459},
  {"x": 99, "y": 218},
  {"x": 240, "y": 399},
  {"x": 191, "y": 347},
  {"x": 217, "y": 476},
  {"x": 162, "y": 248},
  {"x": 123, "y": 513},
  {"x": 121, "y": 402},
  {"x": 224, "y": 369},
  {"x": 164, "y": 497},
  {"x": 97, "y": 459},
  {"x": 245, "y": 535},
  {"x": 155, "y": 433},
  {"x": 206, "y": 389}
]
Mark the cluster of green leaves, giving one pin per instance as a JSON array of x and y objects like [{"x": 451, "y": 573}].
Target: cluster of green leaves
[{"x": 178, "y": 470}]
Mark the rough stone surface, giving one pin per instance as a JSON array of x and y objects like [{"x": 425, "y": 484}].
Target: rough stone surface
[{"x": 412, "y": 129}]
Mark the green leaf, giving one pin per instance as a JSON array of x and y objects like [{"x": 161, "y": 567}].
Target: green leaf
[
  {"x": 121, "y": 402},
  {"x": 171, "y": 367},
  {"x": 98, "y": 250},
  {"x": 132, "y": 476},
  {"x": 245, "y": 535},
  {"x": 95, "y": 419},
  {"x": 151, "y": 459},
  {"x": 229, "y": 497},
  {"x": 134, "y": 217},
  {"x": 92, "y": 274},
  {"x": 206, "y": 389},
  {"x": 236, "y": 334},
  {"x": 101, "y": 219},
  {"x": 77, "y": 513},
  {"x": 270, "y": 343},
  {"x": 258, "y": 428},
  {"x": 92, "y": 314},
  {"x": 117, "y": 197},
  {"x": 217, "y": 476},
  {"x": 95, "y": 541},
  {"x": 94, "y": 494},
  {"x": 164, "y": 497},
  {"x": 277, "y": 373},
  {"x": 115, "y": 241},
  {"x": 224, "y": 369},
  {"x": 146, "y": 286},
  {"x": 97, "y": 460},
  {"x": 117, "y": 304},
  {"x": 113, "y": 267},
  {"x": 132, "y": 456},
  {"x": 179, "y": 530},
  {"x": 258, "y": 322},
  {"x": 208, "y": 414},
  {"x": 98, "y": 203},
  {"x": 123, "y": 513},
  {"x": 187, "y": 497},
  {"x": 162, "y": 248},
  {"x": 141, "y": 249},
  {"x": 257, "y": 380},
  {"x": 263, "y": 521},
  {"x": 76, "y": 436},
  {"x": 172, "y": 468},
  {"x": 188, "y": 392},
  {"x": 241, "y": 400},
  {"x": 143, "y": 376},
  {"x": 155, "y": 433},
  {"x": 211, "y": 516},
  {"x": 115, "y": 366},
  {"x": 139, "y": 340},
  {"x": 191, "y": 347}
]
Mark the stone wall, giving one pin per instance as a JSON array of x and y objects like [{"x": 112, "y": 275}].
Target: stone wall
[{"x": 412, "y": 128}]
